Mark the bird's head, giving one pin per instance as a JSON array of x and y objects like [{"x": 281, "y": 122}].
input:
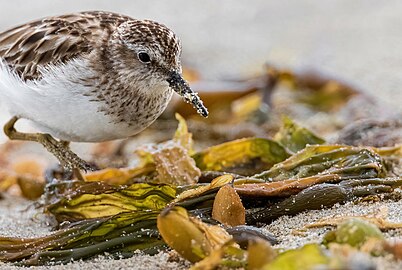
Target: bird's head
[{"x": 149, "y": 53}]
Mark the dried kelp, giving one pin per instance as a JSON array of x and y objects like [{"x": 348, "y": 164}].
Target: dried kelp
[
  {"x": 120, "y": 176},
  {"x": 228, "y": 208},
  {"x": 159, "y": 201},
  {"x": 306, "y": 257},
  {"x": 99, "y": 199},
  {"x": 378, "y": 219},
  {"x": 119, "y": 235},
  {"x": 244, "y": 157},
  {"x": 172, "y": 161},
  {"x": 206, "y": 245},
  {"x": 321, "y": 196},
  {"x": 314, "y": 88},
  {"x": 94, "y": 200},
  {"x": 354, "y": 232},
  {"x": 193, "y": 239},
  {"x": 295, "y": 137},
  {"x": 371, "y": 132},
  {"x": 25, "y": 173},
  {"x": 260, "y": 253},
  {"x": 169, "y": 162},
  {"x": 344, "y": 162}
]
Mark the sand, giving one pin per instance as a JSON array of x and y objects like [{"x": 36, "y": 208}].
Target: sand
[{"x": 357, "y": 41}]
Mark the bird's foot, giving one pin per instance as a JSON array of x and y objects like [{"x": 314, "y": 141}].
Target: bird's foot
[
  {"x": 60, "y": 149},
  {"x": 68, "y": 159}
]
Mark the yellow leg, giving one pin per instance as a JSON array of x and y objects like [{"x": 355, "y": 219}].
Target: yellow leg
[{"x": 68, "y": 159}]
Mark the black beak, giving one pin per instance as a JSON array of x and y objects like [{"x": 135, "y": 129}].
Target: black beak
[{"x": 180, "y": 86}]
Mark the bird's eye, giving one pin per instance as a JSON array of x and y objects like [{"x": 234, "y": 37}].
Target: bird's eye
[{"x": 144, "y": 57}]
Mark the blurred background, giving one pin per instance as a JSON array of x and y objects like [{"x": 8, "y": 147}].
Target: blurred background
[{"x": 358, "y": 41}]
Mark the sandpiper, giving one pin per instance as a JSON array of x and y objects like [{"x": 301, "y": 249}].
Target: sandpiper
[{"x": 89, "y": 77}]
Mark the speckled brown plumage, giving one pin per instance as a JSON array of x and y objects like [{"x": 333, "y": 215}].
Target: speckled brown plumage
[
  {"x": 91, "y": 76},
  {"x": 56, "y": 40},
  {"x": 47, "y": 41}
]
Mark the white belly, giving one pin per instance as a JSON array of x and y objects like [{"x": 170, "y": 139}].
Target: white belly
[
  {"x": 57, "y": 106},
  {"x": 78, "y": 120}
]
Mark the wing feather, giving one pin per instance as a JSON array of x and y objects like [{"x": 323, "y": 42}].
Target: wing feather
[{"x": 54, "y": 40}]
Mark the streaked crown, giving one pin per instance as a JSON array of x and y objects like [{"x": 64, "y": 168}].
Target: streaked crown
[{"x": 151, "y": 40}]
